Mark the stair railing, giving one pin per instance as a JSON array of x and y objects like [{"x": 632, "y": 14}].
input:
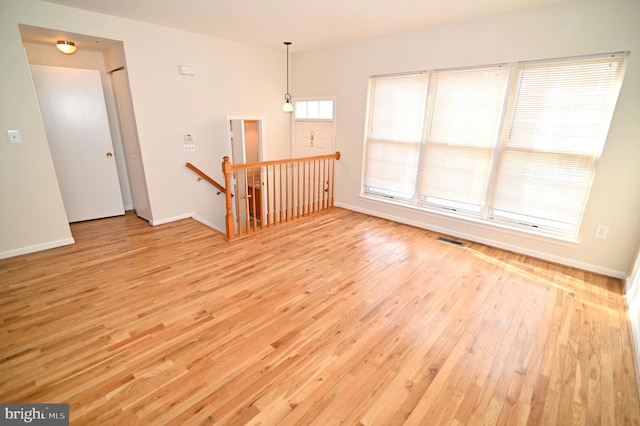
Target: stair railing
[
  {"x": 206, "y": 177},
  {"x": 270, "y": 193}
]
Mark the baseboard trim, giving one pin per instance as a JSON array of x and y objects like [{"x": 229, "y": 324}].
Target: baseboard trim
[
  {"x": 170, "y": 219},
  {"x": 35, "y": 248},
  {"x": 209, "y": 224},
  {"x": 186, "y": 216},
  {"x": 517, "y": 249}
]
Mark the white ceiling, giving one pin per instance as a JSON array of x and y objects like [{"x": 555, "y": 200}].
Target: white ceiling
[{"x": 308, "y": 24}]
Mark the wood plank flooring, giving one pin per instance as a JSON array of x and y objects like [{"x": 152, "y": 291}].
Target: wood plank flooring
[{"x": 338, "y": 319}]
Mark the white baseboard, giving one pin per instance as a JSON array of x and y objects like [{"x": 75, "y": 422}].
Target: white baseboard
[
  {"x": 35, "y": 248},
  {"x": 155, "y": 222},
  {"x": 498, "y": 244},
  {"x": 209, "y": 224},
  {"x": 186, "y": 216}
]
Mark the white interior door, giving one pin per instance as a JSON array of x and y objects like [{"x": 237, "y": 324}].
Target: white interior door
[
  {"x": 131, "y": 143},
  {"x": 75, "y": 119}
]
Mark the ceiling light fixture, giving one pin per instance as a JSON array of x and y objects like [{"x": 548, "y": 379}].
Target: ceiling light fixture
[
  {"x": 288, "y": 106},
  {"x": 67, "y": 47}
]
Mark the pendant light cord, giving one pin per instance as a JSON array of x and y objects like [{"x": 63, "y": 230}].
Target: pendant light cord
[{"x": 287, "y": 96}]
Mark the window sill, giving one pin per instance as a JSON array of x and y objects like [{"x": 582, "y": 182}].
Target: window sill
[{"x": 478, "y": 222}]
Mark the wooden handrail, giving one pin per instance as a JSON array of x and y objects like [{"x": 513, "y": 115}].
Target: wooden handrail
[
  {"x": 275, "y": 192},
  {"x": 285, "y": 161},
  {"x": 206, "y": 177}
]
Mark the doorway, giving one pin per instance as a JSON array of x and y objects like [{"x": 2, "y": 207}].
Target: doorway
[
  {"x": 130, "y": 142},
  {"x": 245, "y": 136},
  {"x": 314, "y": 134},
  {"x": 107, "y": 57},
  {"x": 247, "y": 146},
  {"x": 313, "y": 127}
]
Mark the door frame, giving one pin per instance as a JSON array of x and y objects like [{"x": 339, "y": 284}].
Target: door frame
[
  {"x": 260, "y": 119},
  {"x": 261, "y": 144},
  {"x": 119, "y": 78}
]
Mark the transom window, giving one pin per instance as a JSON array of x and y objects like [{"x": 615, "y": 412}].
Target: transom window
[
  {"x": 512, "y": 143},
  {"x": 314, "y": 110}
]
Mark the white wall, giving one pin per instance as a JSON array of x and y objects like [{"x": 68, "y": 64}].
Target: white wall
[
  {"x": 32, "y": 214},
  {"x": 565, "y": 29},
  {"x": 166, "y": 104}
]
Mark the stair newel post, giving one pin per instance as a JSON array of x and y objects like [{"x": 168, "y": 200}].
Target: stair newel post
[{"x": 228, "y": 219}]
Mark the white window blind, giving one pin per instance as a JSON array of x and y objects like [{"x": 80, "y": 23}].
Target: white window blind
[
  {"x": 516, "y": 143},
  {"x": 396, "y": 117},
  {"x": 460, "y": 134},
  {"x": 556, "y": 124}
]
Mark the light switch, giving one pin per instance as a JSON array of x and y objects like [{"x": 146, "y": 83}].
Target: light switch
[
  {"x": 601, "y": 231},
  {"x": 187, "y": 70},
  {"x": 14, "y": 136}
]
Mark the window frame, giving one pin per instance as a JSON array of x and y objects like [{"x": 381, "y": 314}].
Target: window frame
[{"x": 487, "y": 214}]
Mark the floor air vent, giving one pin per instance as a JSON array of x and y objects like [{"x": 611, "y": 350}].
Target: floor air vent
[{"x": 450, "y": 241}]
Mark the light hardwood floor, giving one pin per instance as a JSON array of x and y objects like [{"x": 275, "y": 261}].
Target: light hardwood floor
[{"x": 338, "y": 319}]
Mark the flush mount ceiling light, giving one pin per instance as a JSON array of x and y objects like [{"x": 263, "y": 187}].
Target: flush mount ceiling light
[
  {"x": 65, "y": 46},
  {"x": 288, "y": 106}
]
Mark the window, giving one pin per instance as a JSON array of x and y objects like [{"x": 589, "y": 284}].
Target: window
[
  {"x": 514, "y": 143},
  {"x": 394, "y": 134},
  {"x": 462, "y": 124},
  {"x": 314, "y": 110}
]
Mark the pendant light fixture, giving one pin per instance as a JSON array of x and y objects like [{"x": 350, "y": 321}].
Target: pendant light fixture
[
  {"x": 288, "y": 106},
  {"x": 67, "y": 47}
]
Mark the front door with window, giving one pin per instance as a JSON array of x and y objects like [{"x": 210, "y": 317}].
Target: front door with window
[
  {"x": 313, "y": 128},
  {"x": 313, "y": 131}
]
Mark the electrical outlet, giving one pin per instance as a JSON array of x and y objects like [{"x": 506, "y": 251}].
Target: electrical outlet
[
  {"x": 601, "y": 231},
  {"x": 189, "y": 147},
  {"x": 14, "y": 136}
]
